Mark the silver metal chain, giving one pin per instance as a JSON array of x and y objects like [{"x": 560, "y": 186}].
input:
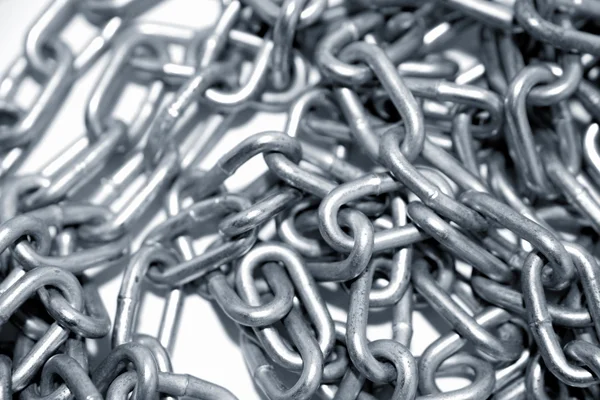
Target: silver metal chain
[{"x": 438, "y": 156}]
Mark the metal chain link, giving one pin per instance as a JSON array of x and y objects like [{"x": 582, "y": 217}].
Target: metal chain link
[{"x": 439, "y": 157}]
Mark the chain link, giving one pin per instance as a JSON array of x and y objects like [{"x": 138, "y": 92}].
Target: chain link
[{"x": 438, "y": 158}]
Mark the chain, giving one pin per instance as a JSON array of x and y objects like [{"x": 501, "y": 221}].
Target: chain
[{"x": 438, "y": 157}]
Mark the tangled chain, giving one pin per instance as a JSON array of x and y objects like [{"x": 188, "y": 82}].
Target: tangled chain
[{"x": 437, "y": 155}]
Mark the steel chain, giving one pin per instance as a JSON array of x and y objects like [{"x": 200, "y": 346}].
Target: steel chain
[{"x": 438, "y": 157}]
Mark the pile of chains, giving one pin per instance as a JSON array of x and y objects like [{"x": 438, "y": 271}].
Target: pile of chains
[{"x": 437, "y": 156}]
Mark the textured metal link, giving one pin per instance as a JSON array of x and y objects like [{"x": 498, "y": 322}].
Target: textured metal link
[{"x": 437, "y": 158}]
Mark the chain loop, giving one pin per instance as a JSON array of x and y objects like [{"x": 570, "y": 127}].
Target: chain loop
[{"x": 433, "y": 160}]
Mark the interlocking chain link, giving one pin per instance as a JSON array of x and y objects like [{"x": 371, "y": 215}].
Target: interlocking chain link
[{"x": 438, "y": 157}]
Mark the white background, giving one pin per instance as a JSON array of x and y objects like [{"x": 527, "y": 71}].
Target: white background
[{"x": 206, "y": 342}]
